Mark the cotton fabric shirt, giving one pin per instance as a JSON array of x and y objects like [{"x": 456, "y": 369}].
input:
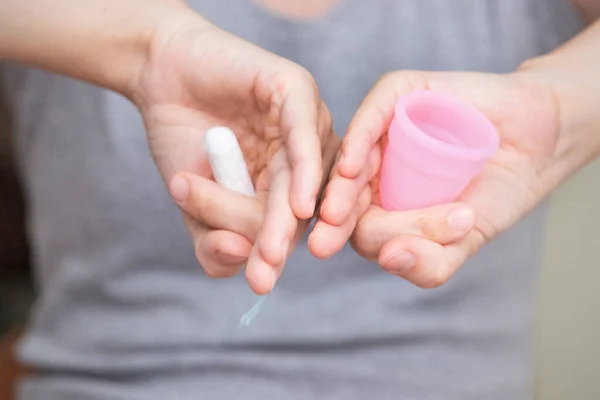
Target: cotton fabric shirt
[{"x": 126, "y": 313}]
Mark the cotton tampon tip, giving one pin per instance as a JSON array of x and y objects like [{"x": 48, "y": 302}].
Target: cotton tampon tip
[
  {"x": 220, "y": 141},
  {"x": 227, "y": 160}
]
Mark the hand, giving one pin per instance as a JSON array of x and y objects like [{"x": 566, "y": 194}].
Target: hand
[
  {"x": 428, "y": 246},
  {"x": 199, "y": 76}
]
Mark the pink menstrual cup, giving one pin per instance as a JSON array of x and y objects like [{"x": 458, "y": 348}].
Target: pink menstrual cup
[{"x": 436, "y": 145}]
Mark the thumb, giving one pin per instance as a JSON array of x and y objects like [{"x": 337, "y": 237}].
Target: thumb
[
  {"x": 443, "y": 224},
  {"x": 215, "y": 206}
]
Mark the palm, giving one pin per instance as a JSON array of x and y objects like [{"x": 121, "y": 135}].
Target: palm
[
  {"x": 199, "y": 77},
  {"x": 192, "y": 86},
  {"x": 515, "y": 179}
]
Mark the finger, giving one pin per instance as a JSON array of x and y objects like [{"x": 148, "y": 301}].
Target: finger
[
  {"x": 215, "y": 206},
  {"x": 280, "y": 223},
  {"x": 442, "y": 224},
  {"x": 325, "y": 240},
  {"x": 341, "y": 209},
  {"x": 423, "y": 262},
  {"x": 261, "y": 276},
  {"x": 278, "y": 229},
  {"x": 370, "y": 122},
  {"x": 300, "y": 129},
  {"x": 342, "y": 194},
  {"x": 222, "y": 254}
]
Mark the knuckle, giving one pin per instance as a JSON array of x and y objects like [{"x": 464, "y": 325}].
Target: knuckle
[
  {"x": 213, "y": 272},
  {"x": 252, "y": 229},
  {"x": 364, "y": 200},
  {"x": 405, "y": 80},
  {"x": 434, "y": 279},
  {"x": 427, "y": 227},
  {"x": 360, "y": 250},
  {"x": 325, "y": 126},
  {"x": 389, "y": 77},
  {"x": 358, "y": 125},
  {"x": 326, "y": 120},
  {"x": 221, "y": 272},
  {"x": 213, "y": 251},
  {"x": 305, "y": 76},
  {"x": 200, "y": 252},
  {"x": 204, "y": 207},
  {"x": 202, "y": 255},
  {"x": 205, "y": 258},
  {"x": 296, "y": 74},
  {"x": 364, "y": 239}
]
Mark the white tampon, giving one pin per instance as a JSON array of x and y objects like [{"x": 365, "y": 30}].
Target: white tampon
[
  {"x": 227, "y": 161},
  {"x": 229, "y": 169}
]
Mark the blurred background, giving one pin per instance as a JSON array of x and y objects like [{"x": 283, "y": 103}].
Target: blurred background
[
  {"x": 15, "y": 283},
  {"x": 567, "y": 343},
  {"x": 568, "y": 320}
]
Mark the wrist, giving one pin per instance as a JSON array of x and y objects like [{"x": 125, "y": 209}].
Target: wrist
[
  {"x": 120, "y": 55},
  {"x": 575, "y": 89},
  {"x": 157, "y": 60}
]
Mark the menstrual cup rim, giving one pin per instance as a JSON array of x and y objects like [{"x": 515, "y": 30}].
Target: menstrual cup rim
[{"x": 438, "y": 146}]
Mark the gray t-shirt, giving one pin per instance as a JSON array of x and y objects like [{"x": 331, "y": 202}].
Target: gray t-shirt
[{"x": 125, "y": 312}]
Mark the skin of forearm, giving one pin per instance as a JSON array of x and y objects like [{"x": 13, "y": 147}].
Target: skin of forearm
[
  {"x": 589, "y": 8},
  {"x": 107, "y": 42},
  {"x": 104, "y": 42},
  {"x": 572, "y": 71}
]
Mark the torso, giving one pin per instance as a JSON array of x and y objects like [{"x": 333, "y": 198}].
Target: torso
[
  {"x": 307, "y": 9},
  {"x": 122, "y": 292}
]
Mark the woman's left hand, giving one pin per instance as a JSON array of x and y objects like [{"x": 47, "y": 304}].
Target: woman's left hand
[{"x": 428, "y": 246}]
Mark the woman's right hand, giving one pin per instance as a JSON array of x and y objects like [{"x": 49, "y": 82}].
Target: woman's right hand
[{"x": 197, "y": 76}]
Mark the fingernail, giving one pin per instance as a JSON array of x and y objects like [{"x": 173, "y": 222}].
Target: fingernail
[
  {"x": 461, "y": 219},
  {"x": 179, "y": 188},
  {"x": 400, "y": 262}
]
